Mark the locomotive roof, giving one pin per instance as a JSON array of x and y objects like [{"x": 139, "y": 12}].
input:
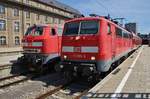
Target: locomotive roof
[
  {"x": 40, "y": 25},
  {"x": 102, "y": 18},
  {"x": 97, "y": 18}
]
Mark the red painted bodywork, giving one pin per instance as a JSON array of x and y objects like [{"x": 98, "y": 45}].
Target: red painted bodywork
[
  {"x": 109, "y": 45},
  {"x": 51, "y": 43}
]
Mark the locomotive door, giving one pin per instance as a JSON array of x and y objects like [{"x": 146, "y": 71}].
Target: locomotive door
[
  {"x": 53, "y": 41},
  {"x": 113, "y": 47}
]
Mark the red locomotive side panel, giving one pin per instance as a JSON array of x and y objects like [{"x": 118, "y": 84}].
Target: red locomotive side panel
[{"x": 106, "y": 37}]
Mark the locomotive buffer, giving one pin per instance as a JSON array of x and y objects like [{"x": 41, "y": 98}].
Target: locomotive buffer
[{"x": 130, "y": 80}]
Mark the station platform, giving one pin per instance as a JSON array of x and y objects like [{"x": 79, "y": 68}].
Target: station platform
[
  {"x": 130, "y": 80},
  {"x": 10, "y": 49},
  {"x": 8, "y": 59},
  {"x": 10, "y": 54}
]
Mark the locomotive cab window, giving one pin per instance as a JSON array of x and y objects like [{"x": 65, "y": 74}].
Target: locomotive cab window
[
  {"x": 89, "y": 27},
  {"x": 34, "y": 31},
  {"x": 38, "y": 31},
  {"x": 82, "y": 27},
  {"x": 108, "y": 29},
  {"x": 53, "y": 32},
  {"x": 71, "y": 28},
  {"x": 29, "y": 31}
]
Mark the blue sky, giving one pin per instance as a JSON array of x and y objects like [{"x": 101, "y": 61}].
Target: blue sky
[{"x": 133, "y": 10}]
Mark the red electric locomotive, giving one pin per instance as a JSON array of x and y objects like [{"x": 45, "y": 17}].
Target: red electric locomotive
[
  {"x": 90, "y": 45},
  {"x": 41, "y": 45}
]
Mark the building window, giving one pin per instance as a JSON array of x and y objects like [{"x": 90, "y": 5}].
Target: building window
[
  {"x": 59, "y": 21},
  {"x": 2, "y": 40},
  {"x": 2, "y": 25},
  {"x": 27, "y": 1},
  {"x": 17, "y": 40},
  {"x": 46, "y": 18},
  {"x": 16, "y": 12},
  {"x": 27, "y": 25},
  {"x": 27, "y": 14},
  {"x": 62, "y": 21},
  {"x": 55, "y": 20},
  {"x": 2, "y": 9},
  {"x": 37, "y": 17},
  {"x": 51, "y": 20},
  {"x": 16, "y": 26},
  {"x": 37, "y": 4}
]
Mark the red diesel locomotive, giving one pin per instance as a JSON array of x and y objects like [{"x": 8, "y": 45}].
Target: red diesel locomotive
[
  {"x": 90, "y": 45},
  {"x": 41, "y": 45}
]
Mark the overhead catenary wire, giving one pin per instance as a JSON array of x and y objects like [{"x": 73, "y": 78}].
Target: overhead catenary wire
[
  {"x": 104, "y": 7},
  {"x": 109, "y": 10}
]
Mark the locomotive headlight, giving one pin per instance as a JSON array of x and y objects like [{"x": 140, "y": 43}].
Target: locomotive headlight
[
  {"x": 93, "y": 58},
  {"x": 75, "y": 68},
  {"x": 91, "y": 68},
  {"x": 38, "y": 50},
  {"x": 61, "y": 66},
  {"x": 65, "y": 57}
]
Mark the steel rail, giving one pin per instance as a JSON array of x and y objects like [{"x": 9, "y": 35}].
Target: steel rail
[
  {"x": 45, "y": 95},
  {"x": 16, "y": 82}
]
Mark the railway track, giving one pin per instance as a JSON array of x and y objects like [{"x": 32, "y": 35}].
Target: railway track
[
  {"x": 14, "y": 79},
  {"x": 55, "y": 93},
  {"x": 83, "y": 93},
  {"x": 43, "y": 96},
  {"x": 6, "y": 66}
]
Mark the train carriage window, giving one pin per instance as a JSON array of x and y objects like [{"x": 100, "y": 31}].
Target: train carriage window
[
  {"x": 125, "y": 35},
  {"x": 89, "y": 27},
  {"x": 71, "y": 28},
  {"x": 131, "y": 35},
  {"x": 109, "y": 29},
  {"x": 118, "y": 32}
]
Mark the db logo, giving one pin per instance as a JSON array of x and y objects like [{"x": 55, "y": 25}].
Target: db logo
[{"x": 77, "y": 49}]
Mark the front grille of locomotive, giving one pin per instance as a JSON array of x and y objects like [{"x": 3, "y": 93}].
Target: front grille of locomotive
[{"x": 31, "y": 50}]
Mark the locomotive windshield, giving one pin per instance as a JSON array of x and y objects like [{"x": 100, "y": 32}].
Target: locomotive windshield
[
  {"x": 89, "y": 27},
  {"x": 71, "y": 28},
  {"x": 35, "y": 31},
  {"x": 84, "y": 27}
]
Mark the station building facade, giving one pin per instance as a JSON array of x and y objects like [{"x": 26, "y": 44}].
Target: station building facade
[{"x": 17, "y": 15}]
